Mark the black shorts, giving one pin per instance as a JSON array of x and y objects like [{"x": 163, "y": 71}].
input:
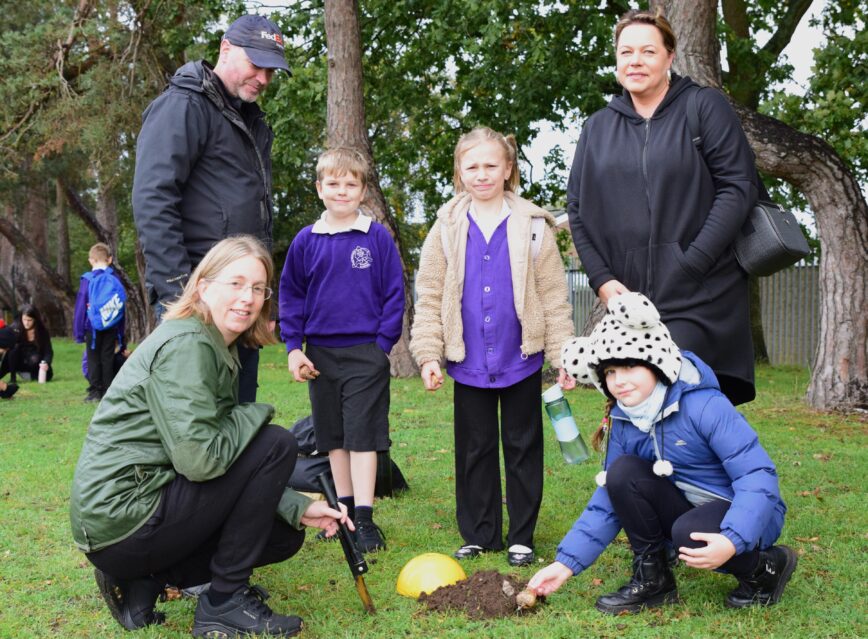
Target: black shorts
[{"x": 350, "y": 398}]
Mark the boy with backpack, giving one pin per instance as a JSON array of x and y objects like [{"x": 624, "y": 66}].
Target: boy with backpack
[{"x": 99, "y": 319}]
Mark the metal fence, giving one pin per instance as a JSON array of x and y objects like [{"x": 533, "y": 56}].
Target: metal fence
[{"x": 790, "y": 303}]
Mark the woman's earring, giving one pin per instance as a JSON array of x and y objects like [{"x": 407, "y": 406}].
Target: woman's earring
[{"x": 669, "y": 74}]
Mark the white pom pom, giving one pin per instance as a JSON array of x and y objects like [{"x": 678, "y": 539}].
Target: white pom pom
[
  {"x": 600, "y": 478},
  {"x": 662, "y": 468}
]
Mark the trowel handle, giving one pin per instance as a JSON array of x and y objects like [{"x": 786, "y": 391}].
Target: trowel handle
[{"x": 355, "y": 559}]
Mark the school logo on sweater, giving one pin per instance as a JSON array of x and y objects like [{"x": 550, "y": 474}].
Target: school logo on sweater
[{"x": 361, "y": 258}]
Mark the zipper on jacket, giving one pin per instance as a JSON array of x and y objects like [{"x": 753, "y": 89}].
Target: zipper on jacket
[{"x": 649, "y": 269}]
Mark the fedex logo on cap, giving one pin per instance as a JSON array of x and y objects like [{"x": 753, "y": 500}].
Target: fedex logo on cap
[{"x": 274, "y": 37}]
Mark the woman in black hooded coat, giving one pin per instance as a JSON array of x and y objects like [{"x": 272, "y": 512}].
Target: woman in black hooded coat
[{"x": 650, "y": 213}]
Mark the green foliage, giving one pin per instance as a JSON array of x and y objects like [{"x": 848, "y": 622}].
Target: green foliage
[
  {"x": 78, "y": 120},
  {"x": 833, "y": 107},
  {"x": 433, "y": 70},
  {"x": 48, "y": 588}
]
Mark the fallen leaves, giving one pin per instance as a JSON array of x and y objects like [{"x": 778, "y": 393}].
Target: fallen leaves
[{"x": 809, "y": 493}]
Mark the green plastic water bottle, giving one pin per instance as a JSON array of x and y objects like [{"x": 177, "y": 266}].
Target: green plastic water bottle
[{"x": 570, "y": 440}]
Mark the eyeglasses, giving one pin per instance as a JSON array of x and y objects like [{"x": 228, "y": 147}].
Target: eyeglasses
[{"x": 258, "y": 289}]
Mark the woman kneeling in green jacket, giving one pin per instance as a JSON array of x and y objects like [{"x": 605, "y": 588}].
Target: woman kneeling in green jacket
[{"x": 179, "y": 484}]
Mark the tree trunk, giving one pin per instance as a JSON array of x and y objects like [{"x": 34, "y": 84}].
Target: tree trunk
[
  {"x": 63, "y": 268},
  {"x": 40, "y": 269},
  {"x": 839, "y": 379},
  {"x": 346, "y": 126},
  {"x": 760, "y": 350}
]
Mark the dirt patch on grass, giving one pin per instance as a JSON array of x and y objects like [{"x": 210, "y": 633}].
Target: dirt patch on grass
[{"x": 483, "y": 595}]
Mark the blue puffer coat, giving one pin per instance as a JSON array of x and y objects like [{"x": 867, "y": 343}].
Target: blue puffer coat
[{"x": 710, "y": 445}]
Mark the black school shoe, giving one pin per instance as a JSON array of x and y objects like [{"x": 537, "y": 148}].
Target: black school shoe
[
  {"x": 469, "y": 551},
  {"x": 131, "y": 602},
  {"x": 766, "y": 585},
  {"x": 519, "y": 555},
  {"x": 369, "y": 537},
  {"x": 246, "y": 613},
  {"x": 9, "y": 391}
]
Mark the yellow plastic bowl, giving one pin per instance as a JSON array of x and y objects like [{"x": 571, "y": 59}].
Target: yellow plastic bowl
[{"x": 428, "y": 572}]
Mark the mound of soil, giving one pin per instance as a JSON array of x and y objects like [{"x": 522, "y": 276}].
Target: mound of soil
[{"x": 484, "y": 595}]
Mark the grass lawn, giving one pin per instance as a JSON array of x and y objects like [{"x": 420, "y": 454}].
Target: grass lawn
[{"x": 47, "y": 587}]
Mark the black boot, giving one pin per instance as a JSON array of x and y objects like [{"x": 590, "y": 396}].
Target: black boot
[
  {"x": 652, "y": 585},
  {"x": 766, "y": 585}
]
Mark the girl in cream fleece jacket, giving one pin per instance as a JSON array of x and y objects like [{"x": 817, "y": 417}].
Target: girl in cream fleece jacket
[{"x": 492, "y": 299}]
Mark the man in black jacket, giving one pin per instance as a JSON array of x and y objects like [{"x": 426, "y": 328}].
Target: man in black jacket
[{"x": 203, "y": 165}]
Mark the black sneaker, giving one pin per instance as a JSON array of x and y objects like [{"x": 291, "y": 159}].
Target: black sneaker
[
  {"x": 130, "y": 602},
  {"x": 93, "y": 396},
  {"x": 246, "y": 613},
  {"x": 369, "y": 537},
  {"x": 9, "y": 391}
]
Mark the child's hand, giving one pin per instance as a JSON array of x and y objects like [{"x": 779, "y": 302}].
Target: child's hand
[
  {"x": 549, "y": 579},
  {"x": 432, "y": 377},
  {"x": 610, "y": 289},
  {"x": 300, "y": 366},
  {"x": 565, "y": 381},
  {"x": 717, "y": 551}
]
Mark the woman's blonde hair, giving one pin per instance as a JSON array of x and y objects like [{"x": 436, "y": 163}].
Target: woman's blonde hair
[
  {"x": 221, "y": 255},
  {"x": 655, "y": 19},
  {"x": 478, "y": 136}
]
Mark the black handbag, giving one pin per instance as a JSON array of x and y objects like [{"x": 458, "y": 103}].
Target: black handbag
[{"x": 770, "y": 239}]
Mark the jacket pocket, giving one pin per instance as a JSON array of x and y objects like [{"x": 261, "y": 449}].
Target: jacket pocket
[
  {"x": 245, "y": 218},
  {"x": 677, "y": 285}
]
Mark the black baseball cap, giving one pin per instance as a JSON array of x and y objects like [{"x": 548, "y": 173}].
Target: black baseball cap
[{"x": 261, "y": 40}]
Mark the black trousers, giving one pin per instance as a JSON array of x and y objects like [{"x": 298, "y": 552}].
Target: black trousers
[
  {"x": 14, "y": 361},
  {"x": 653, "y": 512},
  {"x": 217, "y": 530},
  {"x": 478, "y": 497},
  {"x": 101, "y": 359}
]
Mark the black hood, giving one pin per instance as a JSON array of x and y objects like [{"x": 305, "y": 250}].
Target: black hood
[{"x": 623, "y": 103}]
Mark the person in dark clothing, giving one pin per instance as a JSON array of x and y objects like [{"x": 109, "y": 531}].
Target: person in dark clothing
[
  {"x": 648, "y": 214},
  {"x": 8, "y": 339},
  {"x": 33, "y": 346},
  {"x": 203, "y": 165}
]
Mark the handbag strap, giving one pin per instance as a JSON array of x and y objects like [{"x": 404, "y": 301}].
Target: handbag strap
[{"x": 694, "y": 126}]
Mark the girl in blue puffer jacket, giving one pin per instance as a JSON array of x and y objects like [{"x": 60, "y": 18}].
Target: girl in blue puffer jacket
[{"x": 683, "y": 469}]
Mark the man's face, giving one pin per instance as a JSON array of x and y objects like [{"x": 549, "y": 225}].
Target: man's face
[{"x": 240, "y": 76}]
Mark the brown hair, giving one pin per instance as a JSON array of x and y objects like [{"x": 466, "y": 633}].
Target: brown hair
[
  {"x": 342, "y": 160},
  {"x": 605, "y": 423},
  {"x": 221, "y": 255},
  {"x": 478, "y": 136},
  {"x": 100, "y": 252},
  {"x": 655, "y": 19}
]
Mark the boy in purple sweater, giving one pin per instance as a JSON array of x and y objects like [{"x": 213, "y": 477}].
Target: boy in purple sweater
[{"x": 342, "y": 293}]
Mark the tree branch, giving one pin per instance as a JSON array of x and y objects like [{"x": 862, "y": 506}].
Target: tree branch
[{"x": 787, "y": 26}]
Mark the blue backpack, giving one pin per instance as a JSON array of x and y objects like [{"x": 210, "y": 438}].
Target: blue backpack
[{"x": 106, "y": 300}]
